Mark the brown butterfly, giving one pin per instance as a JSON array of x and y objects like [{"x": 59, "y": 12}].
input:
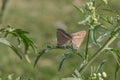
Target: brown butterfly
[{"x": 75, "y": 39}]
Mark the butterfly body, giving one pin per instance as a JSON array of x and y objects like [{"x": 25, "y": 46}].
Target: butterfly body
[{"x": 75, "y": 39}]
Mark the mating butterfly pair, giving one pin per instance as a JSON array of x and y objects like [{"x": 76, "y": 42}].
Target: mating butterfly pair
[{"x": 75, "y": 39}]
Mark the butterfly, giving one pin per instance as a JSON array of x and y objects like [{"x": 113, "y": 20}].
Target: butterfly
[{"x": 75, "y": 39}]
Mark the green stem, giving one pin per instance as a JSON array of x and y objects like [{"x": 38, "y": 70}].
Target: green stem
[
  {"x": 105, "y": 45},
  {"x": 4, "y": 2},
  {"x": 86, "y": 52}
]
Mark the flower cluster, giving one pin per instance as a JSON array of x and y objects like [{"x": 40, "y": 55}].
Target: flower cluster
[
  {"x": 91, "y": 8},
  {"x": 98, "y": 76}
]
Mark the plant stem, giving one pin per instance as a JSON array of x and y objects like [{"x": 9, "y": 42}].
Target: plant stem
[
  {"x": 105, "y": 45},
  {"x": 86, "y": 51},
  {"x": 4, "y": 2}
]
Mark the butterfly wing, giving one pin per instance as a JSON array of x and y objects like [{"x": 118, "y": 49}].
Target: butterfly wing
[
  {"x": 77, "y": 39},
  {"x": 63, "y": 37}
]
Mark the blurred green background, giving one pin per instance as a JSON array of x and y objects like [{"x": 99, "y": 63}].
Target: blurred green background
[{"x": 40, "y": 17}]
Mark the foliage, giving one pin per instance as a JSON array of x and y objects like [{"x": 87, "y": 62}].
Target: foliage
[
  {"x": 98, "y": 33},
  {"x": 10, "y": 77},
  {"x": 21, "y": 37}
]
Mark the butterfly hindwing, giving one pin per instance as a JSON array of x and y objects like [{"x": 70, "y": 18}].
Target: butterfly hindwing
[
  {"x": 63, "y": 37},
  {"x": 77, "y": 39}
]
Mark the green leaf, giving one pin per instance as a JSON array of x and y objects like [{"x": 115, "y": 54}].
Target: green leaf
[
  {"x": 116, "y": 54},
  {"x": 21, "y": 37},
  {"x": 39, "y": 56},
  {"x": 103, "y": 36},
  {"x": 79, "y": 9},
  {"x": 93, "y": 35},
  {"x": 105, "y": 1},
  {"x": 42, "y": 52},
  {"x": 77, "y": 73},
  {"x": 110, "y": 10},
  {"x": 86, "y": 20},
  {"x": 100, "y": 66},
  {"x": 71, "y": 78},
  {"x": 6, "y": 42},
  {"x": 82, "y": 65},
  {"x": 116, "y": 70},
  {"x": 20, "y": 34},
  {"x": 110, "y": 20},
  {"x": 66, "y": 55},
  {"x": 20, "y": 31}
]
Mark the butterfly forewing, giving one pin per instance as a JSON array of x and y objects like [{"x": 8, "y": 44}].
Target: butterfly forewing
[
  {"x": 77, "y": 39},
  {"x": 63, "y": 37}
]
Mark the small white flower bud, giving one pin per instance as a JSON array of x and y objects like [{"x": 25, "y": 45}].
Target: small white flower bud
[
  {"x": 105, "y": 1},
  {"x": 99, "y": 74},
  {"x": 100, "y": 78},
  {"x": 95, "y": 21},
  {"x": 94, "y": 74},
  {"x": 104, "y": 74}
]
